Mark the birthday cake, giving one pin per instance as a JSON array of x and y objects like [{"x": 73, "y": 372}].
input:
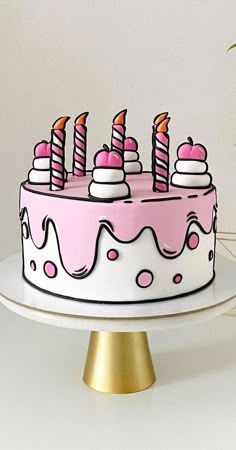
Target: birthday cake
[{"x": 118, "y": 233}]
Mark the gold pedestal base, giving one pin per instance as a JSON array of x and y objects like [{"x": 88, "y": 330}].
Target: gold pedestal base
[{"x": 118, "y": 363}]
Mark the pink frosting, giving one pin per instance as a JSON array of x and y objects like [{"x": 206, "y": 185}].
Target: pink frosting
[
  {"x": 78, "y": 222},
  {"x": 131, "y": 144},
  {"x": 106, "y": 158},
  {"x": 43, "y": 148}
]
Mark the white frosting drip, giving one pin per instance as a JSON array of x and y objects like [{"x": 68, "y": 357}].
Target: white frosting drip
[
  {"x": 41, "y": 163},
  {"x": 190, "y": 166},
  {"x": 109, "y": 175},
  {"x": 133, "y": 167},
  {"x": 131, "y": 156},
  {"x": 191, "y": 180},
  {"x": 107, "y": 191}
]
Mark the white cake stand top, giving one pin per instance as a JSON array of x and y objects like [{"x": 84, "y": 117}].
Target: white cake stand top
[{"x": 29, "y": 302}]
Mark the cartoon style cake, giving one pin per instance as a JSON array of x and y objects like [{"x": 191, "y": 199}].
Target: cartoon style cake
[{"x": 117, "y": 233}]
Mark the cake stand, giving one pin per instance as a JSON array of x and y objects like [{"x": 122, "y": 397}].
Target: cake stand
[{"x": 118, "y": 358}]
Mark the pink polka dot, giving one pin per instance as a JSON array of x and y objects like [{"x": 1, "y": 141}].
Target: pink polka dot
[
  {"x": 144, "y": 278},
  {"x": 112, "y": 254},
  {"x": 193, "y": 241},
  {"x": 50, "y": 269},
  {"x": 177, "y": 278},
  {"x": 33, "y": 265}
]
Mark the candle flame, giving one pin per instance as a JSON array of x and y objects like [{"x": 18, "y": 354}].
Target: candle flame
[
  {"x": 60, "y": 123},
  {"x": 119, "y": 119},
  {"x": 81, "y": 118},
  {"x": 160, "y": 117},
  {"x": 162, "y": 127}
]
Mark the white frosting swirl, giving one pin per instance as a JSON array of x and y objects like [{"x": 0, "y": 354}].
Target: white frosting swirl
[
  {"x": 131, "y": 156},
  {"x": 191, "y": 166},
  {"x": 191, "y": 173},
  {"x": 108, "y": 175},
  {"x": 39, "y": 176},
  {"x": 41, "y": 163},
  {"x": 133, "y": 167},
  {"x": 191, "y": 180},
  {"x": 109, "y": 191}
]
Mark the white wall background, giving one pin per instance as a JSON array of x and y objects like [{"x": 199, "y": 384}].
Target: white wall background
[{"x": 64, "y": 57}]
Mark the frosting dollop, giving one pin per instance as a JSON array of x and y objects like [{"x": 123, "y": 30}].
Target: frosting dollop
[
  {"x": 40, "y": 174},
  {"x": 191, "y": 167},
  {"x": 132, "y": 165},
  {"x": 108, "y": 181}
]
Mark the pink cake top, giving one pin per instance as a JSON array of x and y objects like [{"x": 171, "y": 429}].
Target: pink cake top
[{"x": 78, "y": 223}]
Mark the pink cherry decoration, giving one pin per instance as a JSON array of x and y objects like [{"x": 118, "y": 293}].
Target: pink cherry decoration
[
  {"x": 106, "y": 158},
  {"x": 42, "y": 149},
  {"x": 188, "y": 150},
  {"x": 131, "y": 144}
]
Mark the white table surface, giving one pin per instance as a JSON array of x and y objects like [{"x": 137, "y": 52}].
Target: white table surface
[{"x": 45, "y": 406}]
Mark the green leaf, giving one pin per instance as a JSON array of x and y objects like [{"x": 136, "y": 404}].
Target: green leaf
[{"x": 232, "y": 46}]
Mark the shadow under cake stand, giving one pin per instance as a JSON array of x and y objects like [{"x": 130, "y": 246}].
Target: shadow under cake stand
[{"x": 118, "y": 358}]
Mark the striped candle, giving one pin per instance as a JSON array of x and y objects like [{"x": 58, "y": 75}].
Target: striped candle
[
  {"x": 57, "y": 160},
  {"x": 161, "y": 153},
  {"x": 80, "y": 145},
  {"x": 118, "y": 131}
]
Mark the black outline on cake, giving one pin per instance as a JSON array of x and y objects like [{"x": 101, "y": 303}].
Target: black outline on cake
[
  {"x": 22, "y": 212},
  {"x": 25, "y": 227},
  {"x": 80, "y": 275},
  {"x": 32, "y": 261}
]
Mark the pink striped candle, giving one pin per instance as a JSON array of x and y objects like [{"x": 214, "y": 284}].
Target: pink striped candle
[
  {"x": 118, "y": 131},
  {"x": 57, "y": 160},
  {"x": 80, "y": 145},
  {"x": 161, "y": 153}
]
